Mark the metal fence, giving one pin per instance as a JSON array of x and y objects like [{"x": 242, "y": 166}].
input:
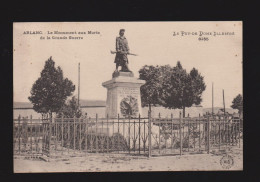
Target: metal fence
[
  {"x": 138, "y": 136},
  {"x": 29, "y": 136},
  {"x": 194, "y": 135}
]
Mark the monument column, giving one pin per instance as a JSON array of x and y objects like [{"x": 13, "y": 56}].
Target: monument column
[
  {"x": 123, "y": 90},
  {"x": 123, "y": 95}
]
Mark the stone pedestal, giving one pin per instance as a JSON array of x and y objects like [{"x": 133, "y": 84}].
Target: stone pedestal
[{"x": 123, "y": 95}]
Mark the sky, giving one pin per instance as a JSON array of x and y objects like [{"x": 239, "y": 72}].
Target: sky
[{"x": 218, "y": 59}]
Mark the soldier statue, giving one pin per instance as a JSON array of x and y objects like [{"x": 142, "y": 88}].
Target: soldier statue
[{"x": 122, "y": 50}]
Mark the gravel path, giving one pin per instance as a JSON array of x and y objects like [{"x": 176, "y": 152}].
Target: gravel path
[{"x": 121, "y": 162}]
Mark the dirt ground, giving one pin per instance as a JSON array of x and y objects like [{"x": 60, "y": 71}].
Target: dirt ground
[{"x": 125, "y": 162}]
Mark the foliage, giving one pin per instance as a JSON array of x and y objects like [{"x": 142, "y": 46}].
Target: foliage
[
  {"x": 171, "y": 87},
  {"x": 181, "y": 89},
  {"x": 70, "y": 109},
  {"x": 150, "y": 91},
  {"x": 237, "y": 103},
  {"x": 50, "y": 91}
]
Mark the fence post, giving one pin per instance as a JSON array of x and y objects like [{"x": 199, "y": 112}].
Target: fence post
[
  {"x": 107, "y": 135},
  {"x": 134, "y": 137},
  {"x": 112, "y": 137},
  {"x": 103, "y": 137},
  {"x": 232, "y": 132},
  {"x": 19, "y": 142},
  {"x": 219, "y": 135},
  {"x": 229, "y": 132},
  {"x": 68, "y": 140},
  {"x": 194, "y": 122},
  {"x": 139, "y": 118},
  {"x": 49, "y": 138},
  {"x": 36, "y": 136},
  {"x": 171, "y": 132},
  {"x": 43, "y": 134},
  {"x": 205, "y": 128},
  {"x": 164, "y": 132},
  {"x": 62, "y": 117},
  {"x": 123, "y": 123},
  {"x": 74, "y": 139},
  {"x": 159, "y": 133},
  {"x": 180, "y": 134},
  {"x": 149, "y": 135},
  {"x": 208, "y": 141},
  {"x": 226, "y": 131},
  {"x": 199, "y": 131},
  {"x": 96, "y": 134},
  {"x": 215, "y": 129},
  {"x": 129, "y": 131},
  {"x": 118, "y": 145},
  {"x": 235, "y": 129},
  {"x": 31, "y": 133},
  {"x": 188, "y": 133},
  {"x": 144, "y": 141},
  {"x": 86, "y": 135},
  {"x": 55, "y": 129},
  {"x": 80, "y": 126},
  {"x": 239, "y": 133}
]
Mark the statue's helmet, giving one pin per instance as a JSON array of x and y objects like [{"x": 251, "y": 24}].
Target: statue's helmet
[{"x": 121, "y": 30}]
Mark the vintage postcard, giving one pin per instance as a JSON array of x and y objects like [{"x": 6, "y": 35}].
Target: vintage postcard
[{"x": 127, "y": 96}]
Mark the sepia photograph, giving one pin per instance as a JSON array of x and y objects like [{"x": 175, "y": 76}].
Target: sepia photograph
[{"x": 127, "y": 96}]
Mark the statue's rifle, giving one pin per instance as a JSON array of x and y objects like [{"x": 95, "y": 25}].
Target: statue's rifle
[{"x": 114, "y": 52}]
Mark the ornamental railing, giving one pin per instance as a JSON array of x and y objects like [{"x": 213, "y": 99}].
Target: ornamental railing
[{"x": 58, "y": 137}]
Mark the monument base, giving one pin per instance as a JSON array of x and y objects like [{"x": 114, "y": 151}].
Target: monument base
[
  {"x": 120, "y": 73},
  {"x": 123, "y": 95}
]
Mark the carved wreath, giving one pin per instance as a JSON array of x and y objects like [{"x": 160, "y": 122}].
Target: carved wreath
[{"x": 129, "y": 106}]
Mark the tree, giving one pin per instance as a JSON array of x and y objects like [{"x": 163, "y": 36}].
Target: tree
[
  {"x": 50, "y": 91},
  {"x": 237, "y": 103},
  {"x": 150, "y": 91},
  {"x": 70, "y": 109},
  {"x": 181, "y": 89}
]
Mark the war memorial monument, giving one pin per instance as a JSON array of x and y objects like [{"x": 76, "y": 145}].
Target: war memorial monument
[{"x": 123, "y": 90}]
